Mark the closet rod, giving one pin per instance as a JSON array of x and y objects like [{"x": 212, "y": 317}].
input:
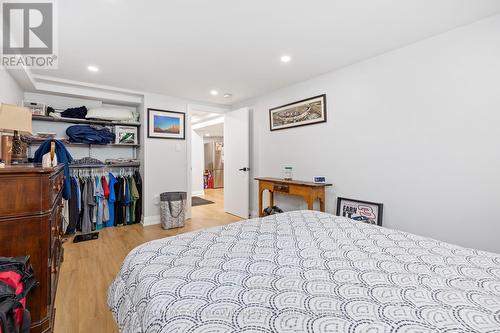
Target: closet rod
[{"x": 117, "y": 166}]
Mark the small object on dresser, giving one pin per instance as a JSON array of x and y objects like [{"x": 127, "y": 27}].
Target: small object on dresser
[
  {"x": 288, "y": 173},
  {"x": 319, "y": 180},
  {"x": 17, "y": 120},
  {"x": 38, "y": 109}
]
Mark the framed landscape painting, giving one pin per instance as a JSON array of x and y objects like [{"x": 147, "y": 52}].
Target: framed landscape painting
[
  {"x": 305, "y": 112},
  {"x": 363, "y": 211},
  {"x": 166, "y": 124}
]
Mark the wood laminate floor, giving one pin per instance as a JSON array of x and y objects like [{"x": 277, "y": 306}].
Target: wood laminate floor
[{"x": 89, "y": 267}]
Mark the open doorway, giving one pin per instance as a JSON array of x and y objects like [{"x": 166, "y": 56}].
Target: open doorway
[
  {"x": 218, "y": 161},
  {"x": 207, "y": 160}
]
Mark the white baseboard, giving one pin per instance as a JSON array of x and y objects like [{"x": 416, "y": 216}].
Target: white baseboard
[
  {"x": 197, "y": 193},
  {"x": 253, "y": 214},
  {"x": 151, "y": 220}
]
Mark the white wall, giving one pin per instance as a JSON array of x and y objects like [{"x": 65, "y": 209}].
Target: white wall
[
  {"x": 165, "y": 163},
  {"x": 416, "y": 129},
  {"x": 10, "y": 91},
  {"x": 197, "y": 163}
]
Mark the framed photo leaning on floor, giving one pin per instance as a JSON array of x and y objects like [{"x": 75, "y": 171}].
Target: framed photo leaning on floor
[{"x": 363, "y": 211}]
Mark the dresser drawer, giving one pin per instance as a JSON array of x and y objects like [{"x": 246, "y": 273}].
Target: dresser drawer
[
  {"x": 55, "y": 225},
  {"x": 56, "y": 183},
  {"x": 29, "y": 192}
]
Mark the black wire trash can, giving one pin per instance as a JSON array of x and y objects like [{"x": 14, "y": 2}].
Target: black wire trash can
[{"x": 173, "y": 209}]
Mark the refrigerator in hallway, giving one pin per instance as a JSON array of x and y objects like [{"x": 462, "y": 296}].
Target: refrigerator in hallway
[{"x": 214, "y": 161}]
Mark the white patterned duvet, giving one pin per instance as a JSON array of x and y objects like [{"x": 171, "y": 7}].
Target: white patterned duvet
[{"x": 305, "y": 271}]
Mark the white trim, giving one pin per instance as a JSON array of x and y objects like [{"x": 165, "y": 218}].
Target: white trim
[
  {"x": 219, "y": 120},
  {"x": 56, "y": 80},
  {"x": 190, "y": 109},
  {"x": 197, "y": 193},
  {"x": 151, "y": 220}
]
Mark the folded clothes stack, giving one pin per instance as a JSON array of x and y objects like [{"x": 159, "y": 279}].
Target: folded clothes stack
[
  {"x": 88, "y": 161},
  {"x": 119, "y": 161},
  {"x": 40, "y": 138},
  {"x": 111, "y": 114},
  {"x": 78, "y": 113},
  {"x": 90, "y": 134}
]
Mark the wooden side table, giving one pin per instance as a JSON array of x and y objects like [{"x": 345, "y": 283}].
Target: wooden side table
[{"x": 308, "y": 190}]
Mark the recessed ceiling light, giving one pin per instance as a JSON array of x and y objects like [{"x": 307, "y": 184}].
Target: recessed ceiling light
[
  {"x": 228, "y": 95},
  {"x": 207, "y": 134},
  {"x": 214, "y": 92},
  {"x": 285, "y": 58},
  {"x": 93, "y": 68}
]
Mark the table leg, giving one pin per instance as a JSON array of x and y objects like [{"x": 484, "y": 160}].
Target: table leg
[
  {"x": 310, "y": 202},
  {"x": 261, "y": 191},
  {"x": 322, "y": 204}
]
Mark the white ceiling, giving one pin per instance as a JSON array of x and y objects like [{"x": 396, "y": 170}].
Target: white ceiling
[
  {"x": 212, "y": 130},
  {"x": 186, "y": 48},
  {"x": 198, "y": 117}
]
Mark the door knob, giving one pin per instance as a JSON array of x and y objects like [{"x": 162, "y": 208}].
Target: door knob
[{"x": 244, "y": 169}]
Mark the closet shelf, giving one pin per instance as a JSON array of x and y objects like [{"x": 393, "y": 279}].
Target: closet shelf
[
  {"x": 118, "y": 145},
  {"x": 83, "y": 121}
]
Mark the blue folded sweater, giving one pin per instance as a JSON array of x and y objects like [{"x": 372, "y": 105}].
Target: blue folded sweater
[{"x": 90, "y": 134}]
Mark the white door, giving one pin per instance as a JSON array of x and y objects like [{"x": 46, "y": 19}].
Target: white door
[{"x": 237, "y": 162}]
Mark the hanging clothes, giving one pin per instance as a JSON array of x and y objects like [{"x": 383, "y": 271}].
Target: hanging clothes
[
  {"x": 138, "y": 203},
  {"x": 99, "y": 194},
  {"x": 103, "y": 201},
  {"x": 105, "y": 209},
  {"x": 74, "y": 204},
  {"x": 127, "y": 200},
  {"x": 134, "y": 196},
  {"x": 111, "y": 200},
  {"x": 120, "y": 201},
  {"x": 88, "y": 203}
]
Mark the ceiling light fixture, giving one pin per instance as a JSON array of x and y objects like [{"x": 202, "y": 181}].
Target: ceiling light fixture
[
  {"x": 285, "y": 58},
  {"x": 93, "y": 68},
  {"x": 214, "y": 92},
  {"x": 228, "y": 95}
]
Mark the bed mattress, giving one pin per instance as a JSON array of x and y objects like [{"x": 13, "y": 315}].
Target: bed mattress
[{"x": 305, "y": 271}]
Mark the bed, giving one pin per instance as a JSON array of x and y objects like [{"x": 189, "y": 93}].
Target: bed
[{"x": 305, "y": 271}]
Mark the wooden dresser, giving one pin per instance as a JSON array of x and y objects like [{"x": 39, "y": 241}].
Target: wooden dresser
[{"x": 31, "y": 224}]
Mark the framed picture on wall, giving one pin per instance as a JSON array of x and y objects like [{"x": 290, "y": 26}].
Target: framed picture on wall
[
  {"x": 166, "y": 124},
  {"x": 305, "y": 112},
  {"x": 363, "y": 211}
]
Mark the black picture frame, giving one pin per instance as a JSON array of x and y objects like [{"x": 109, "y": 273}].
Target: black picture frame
[
  {"x": 181, "y": 116},
  {"x": 290, "y": 105},
  {"x": 380, "y": 210}
]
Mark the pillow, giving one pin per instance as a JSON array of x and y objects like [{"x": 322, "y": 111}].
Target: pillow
[{"x": 110, "y": 114}]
